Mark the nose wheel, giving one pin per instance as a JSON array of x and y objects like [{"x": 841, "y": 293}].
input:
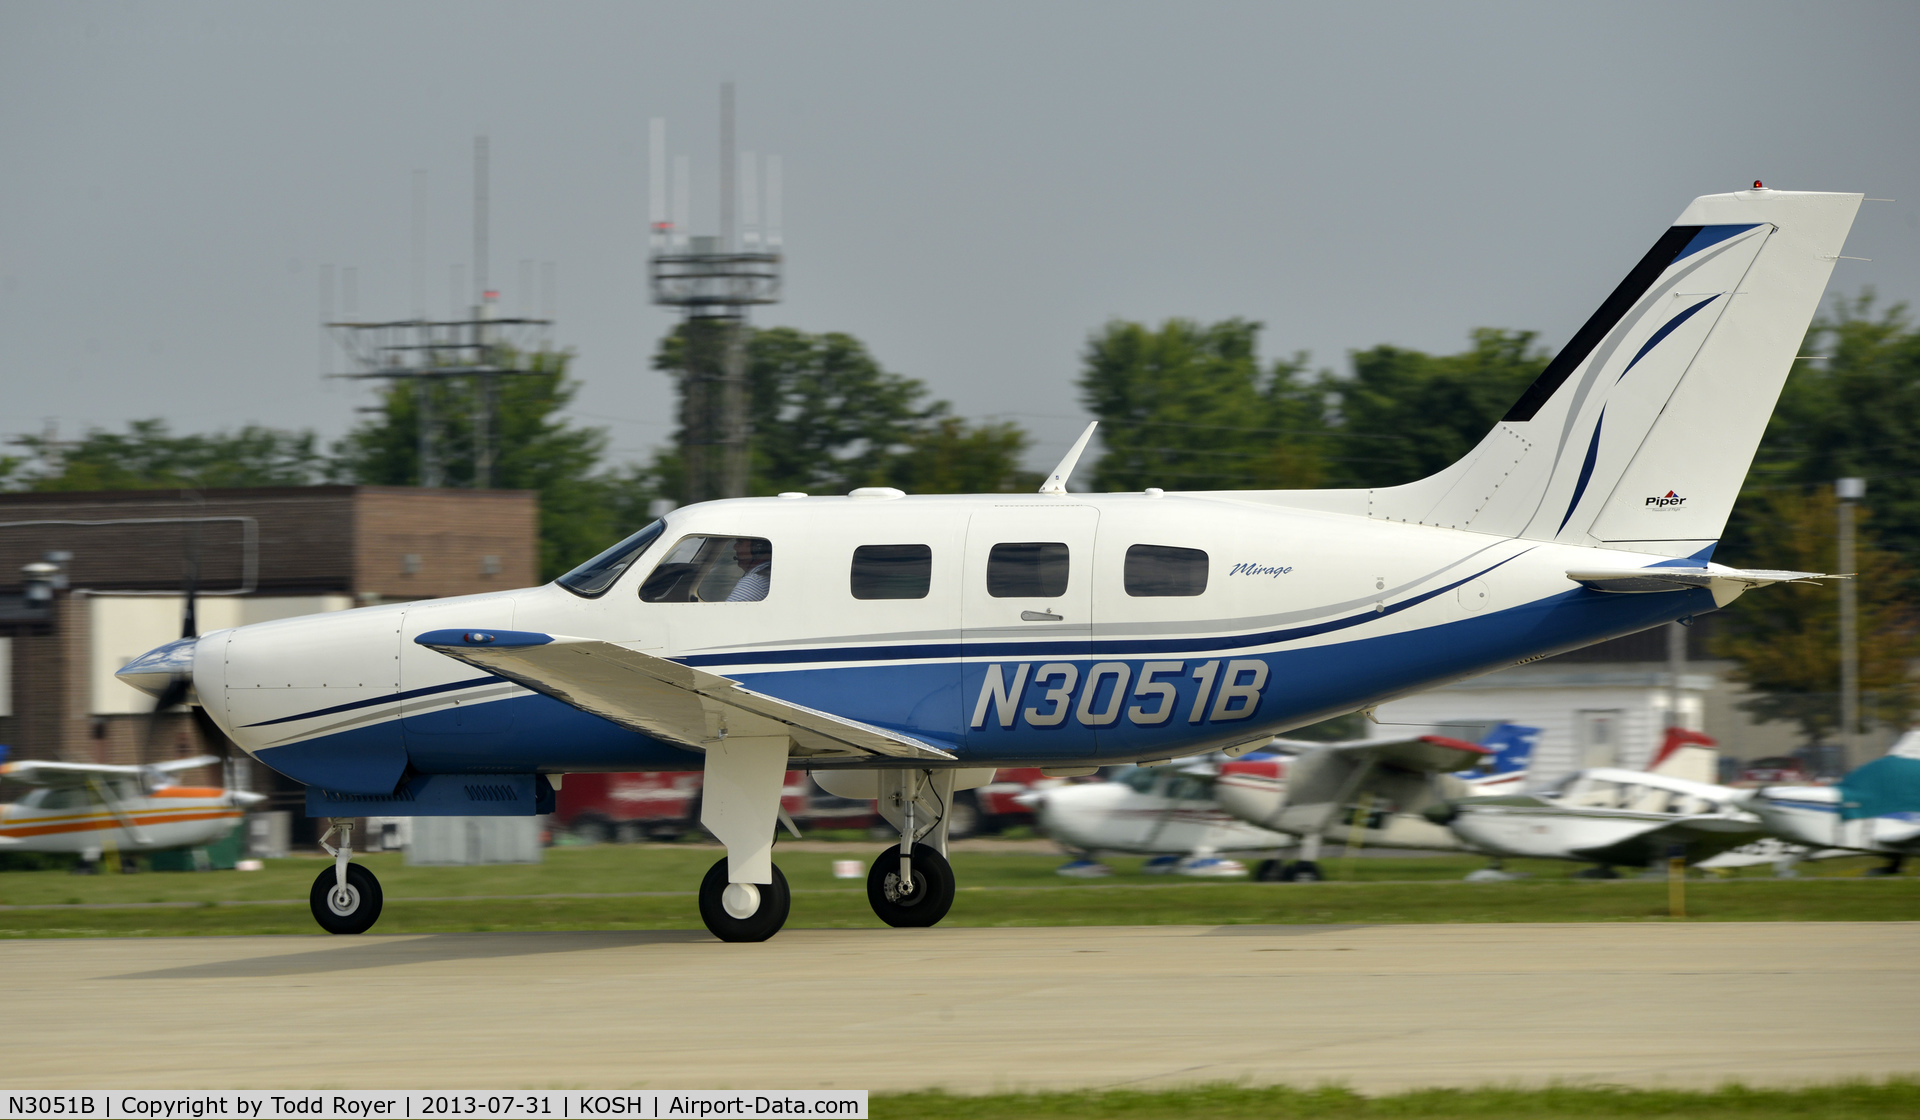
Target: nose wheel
[
  {"x": 922, "y": 901},
  {"x": 743, "y": 911},
  {"x": 351, "y": 907}
]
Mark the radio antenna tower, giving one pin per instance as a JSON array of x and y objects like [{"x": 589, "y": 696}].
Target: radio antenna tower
[
  {"x": 480, "y": 349},
  {"x": 712, "y": 280}
]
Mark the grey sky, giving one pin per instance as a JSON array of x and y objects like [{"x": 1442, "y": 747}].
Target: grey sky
[{"x": 970, "y": 189}]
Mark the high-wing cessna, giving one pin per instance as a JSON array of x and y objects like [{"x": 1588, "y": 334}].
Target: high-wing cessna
[
  {"x": 1873, "y": 809},
  {"x": 86, "y": 808},
  {"x": 1369, "y": 791},
  {"x": 904, "y": 647}
]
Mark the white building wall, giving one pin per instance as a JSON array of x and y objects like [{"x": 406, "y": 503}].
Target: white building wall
[{"x": 122, "y": 627}]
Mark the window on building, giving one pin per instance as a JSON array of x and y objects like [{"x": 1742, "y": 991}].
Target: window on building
[
  {"x": 1155, "y": 570},
  {"x": 892, "y": 571},
  {"x": 1029, "y": 570},
  {"x": 702, "y": 569},
  {"x": 591, "y": 579}
]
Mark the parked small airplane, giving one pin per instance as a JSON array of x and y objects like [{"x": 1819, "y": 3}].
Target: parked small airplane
[
  {"x": 1168, "y": 812},
  {"x": 1876, "y": 808},
  {"x": 1368, "y": 792},
  {"x": 1608, "y": 817},
  {"x": 86, "y": 808},
  {"x": 903, "y": 648}
]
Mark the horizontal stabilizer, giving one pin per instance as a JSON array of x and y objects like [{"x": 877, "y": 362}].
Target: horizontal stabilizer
[
  {"x": 665, "y": 699},
  {"x": 1640, "y": 581}
]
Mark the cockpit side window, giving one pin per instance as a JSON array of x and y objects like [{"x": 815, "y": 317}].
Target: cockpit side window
[
  {"x": 1141, "y": 781},
  {"x": 709, "y": 569},
  {"x": 592, "y": 579}
]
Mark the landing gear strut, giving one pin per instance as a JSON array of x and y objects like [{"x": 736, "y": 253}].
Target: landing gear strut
[
  {"x": 912, "y": 884},
  {"x": 346, "y": 897}
]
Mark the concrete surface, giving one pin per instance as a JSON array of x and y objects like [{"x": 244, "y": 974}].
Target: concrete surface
[{"x": 1379, "y": 1008}]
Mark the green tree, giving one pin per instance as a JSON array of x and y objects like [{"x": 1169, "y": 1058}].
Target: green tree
[
  {"x": 581, "y": 509},
  {"x": 827, "y": 417},
  {"x": 1405, "y": 414},
  {"x": 1190, "y": 406},
  {"x": 1785, "y": 638},
  {"x": 1856, "y": 414},
  {"x": 148, "y": 456}
]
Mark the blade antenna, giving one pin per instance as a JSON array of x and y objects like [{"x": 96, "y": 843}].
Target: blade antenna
[{"x": 1056, "y": 482}]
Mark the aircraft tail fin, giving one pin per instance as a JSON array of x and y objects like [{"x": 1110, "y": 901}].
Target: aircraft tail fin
[
  {"x": 1687, "y": 754},
  {"x": 1638, "y": 434},
  {"x": 1512, "y": 746}
]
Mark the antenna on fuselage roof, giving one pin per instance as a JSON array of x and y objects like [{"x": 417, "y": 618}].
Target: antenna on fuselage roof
[{"x": 1056, "y": 482}]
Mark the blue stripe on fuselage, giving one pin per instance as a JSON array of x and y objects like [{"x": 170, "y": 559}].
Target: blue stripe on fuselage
[{"x": 935, "y": 701}]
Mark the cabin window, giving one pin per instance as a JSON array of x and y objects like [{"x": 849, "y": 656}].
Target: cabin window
[
  {"x": 1155, "y": 570},
  {"x": 65, "y": 797},
  {"x": 1029, "y": 570},
  {"x": 591, "y": 579},
  {"x": 892, "y": 571},
  {"x": 703, "y": 569},
  {"x": 1140, "y": 781}
]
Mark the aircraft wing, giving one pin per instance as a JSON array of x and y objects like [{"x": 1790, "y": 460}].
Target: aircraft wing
[
  {"x": 1642, "y": 580},
  {"x": 664, "y": 699},
  {"x": 42, "y": 772},
  {"x": 1433, "y": 754},
  {"x": 1701, "y": 836}
]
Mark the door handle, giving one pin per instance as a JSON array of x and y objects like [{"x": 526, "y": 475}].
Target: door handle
[{"x": 1039, "y": 616}]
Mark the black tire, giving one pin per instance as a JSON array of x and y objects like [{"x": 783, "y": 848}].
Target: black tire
[
  {"x": 1270, "y": 871},
  {"x": 1600, "y": 872},
  {"x": 963, "y": 816},
  {"x": 775, "y": 902},
  {"x": 1302, "y": 871},
  {"x": 932, "y": 894},
  {"x": 354, "y": 914}
]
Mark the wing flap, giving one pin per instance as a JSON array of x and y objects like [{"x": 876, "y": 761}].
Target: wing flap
[{"x": 664, "y": 699}]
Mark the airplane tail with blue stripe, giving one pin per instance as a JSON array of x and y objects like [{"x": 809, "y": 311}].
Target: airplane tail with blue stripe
[{"x": 1639, "y": 433}]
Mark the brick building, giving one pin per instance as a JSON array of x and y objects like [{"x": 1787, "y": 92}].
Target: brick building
[{"x": 262, "y": 554}]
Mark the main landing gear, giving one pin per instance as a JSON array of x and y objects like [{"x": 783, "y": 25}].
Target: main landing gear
[
  {"x": 346, "y": 897},
  {"x": 912, "y": 884}
]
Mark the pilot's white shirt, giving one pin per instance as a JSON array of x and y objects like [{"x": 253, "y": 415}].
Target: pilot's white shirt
[{"x": 753, "y": 586}]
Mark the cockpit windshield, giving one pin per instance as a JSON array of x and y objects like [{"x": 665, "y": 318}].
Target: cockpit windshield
[{"x": 591, "y": 579}]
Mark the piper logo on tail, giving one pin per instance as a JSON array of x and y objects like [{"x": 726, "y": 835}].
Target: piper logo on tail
[{"x": 1670, "y": 500}]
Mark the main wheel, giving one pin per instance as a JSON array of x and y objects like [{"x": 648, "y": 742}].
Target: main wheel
[
  {"x": 1302, "y": 871},
  {"x": 352, "y": 910},
  {"x": 1270, "y": 871},
  {"x": 743, "y": 911},
  {"x": 928, "y": 901}
]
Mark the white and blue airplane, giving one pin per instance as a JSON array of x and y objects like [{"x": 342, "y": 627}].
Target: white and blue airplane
[
  {"x": 1874, "y": 809},
  {"x": 904, "y": 647}
]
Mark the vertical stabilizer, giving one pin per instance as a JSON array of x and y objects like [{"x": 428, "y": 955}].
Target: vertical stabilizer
[{"x": 1639, "y": 433}]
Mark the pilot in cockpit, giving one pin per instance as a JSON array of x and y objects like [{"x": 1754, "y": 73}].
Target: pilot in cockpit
[{"x": 755, "y": 557}]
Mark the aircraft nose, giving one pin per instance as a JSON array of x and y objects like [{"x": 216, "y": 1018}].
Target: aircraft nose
[{"x": 158, "y": 669}]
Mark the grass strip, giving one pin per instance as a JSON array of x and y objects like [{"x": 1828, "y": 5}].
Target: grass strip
[
  {"x": 1200, "y": 904},
  {"x": 1850, "y": 1100}
]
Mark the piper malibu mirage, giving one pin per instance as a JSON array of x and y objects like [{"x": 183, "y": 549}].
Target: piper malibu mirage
[{"x": 903, "y": 647}]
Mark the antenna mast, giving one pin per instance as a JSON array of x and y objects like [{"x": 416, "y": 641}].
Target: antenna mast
[{"x": 713, "y": 280}]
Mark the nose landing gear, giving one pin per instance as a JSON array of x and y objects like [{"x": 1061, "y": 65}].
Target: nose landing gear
[{"x": 346, "y": 898}]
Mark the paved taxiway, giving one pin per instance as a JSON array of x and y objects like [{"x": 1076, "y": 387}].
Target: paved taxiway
[{"x": 1378, "y": 1007}]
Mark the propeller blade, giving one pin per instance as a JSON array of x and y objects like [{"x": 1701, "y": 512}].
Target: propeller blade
[{"x": 172, "y": 696}]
